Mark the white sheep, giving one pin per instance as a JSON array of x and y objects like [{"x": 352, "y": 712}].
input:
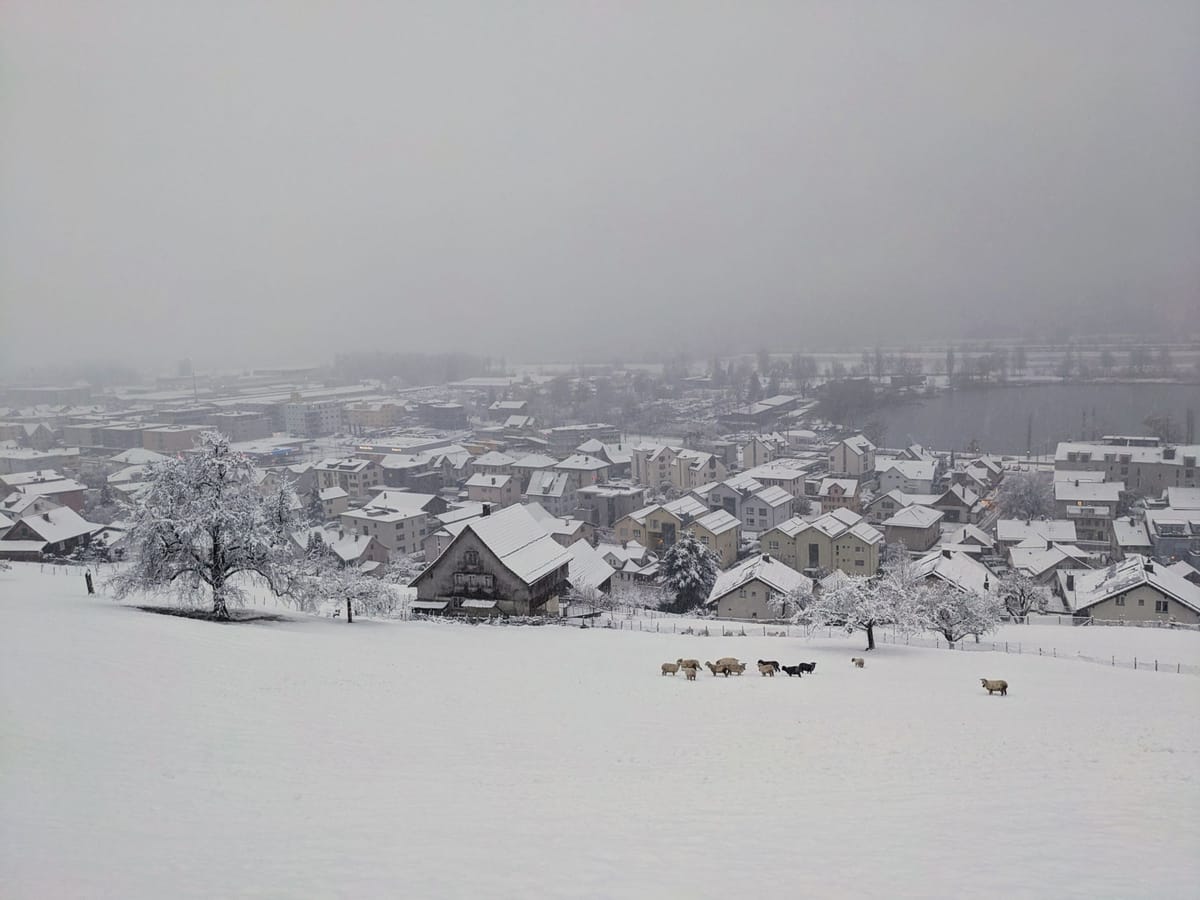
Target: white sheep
[
  {"x": 670, "y": 668},
  {"x": 992, "y": 686}
]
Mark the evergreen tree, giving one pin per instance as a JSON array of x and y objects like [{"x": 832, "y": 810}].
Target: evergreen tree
[{"x": 689, "y": 570}]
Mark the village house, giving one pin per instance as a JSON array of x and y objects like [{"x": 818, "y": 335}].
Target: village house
[
  {"x": 1091, "y": 506},
  {"x": 524, "y": 467},
  {"x": 351, "y": 548},
  {"x": 788, "y": 474},
  {"x": 497, "y": 490},
  {"x": 720, "y": 533},
  {"x": 908, "y": 475},
  {"x": 60, "y": 531},
  {"x": 334, "y": 501},
  {"x": 841, "y": 539},
  {"x": 1010, "y": 532},
  {"x": 1174, "y": 534},
  {"x": 916, "y": 527},
  {"x": 1147, "y": 466},
  {"x": 853, "y": 457},
  {"x": 658, "y": 527},
  {"x": 838, "y": 493},
  {"x": 583, "y": 470},
  {"x": 959, "y": 570},
  {"x": 632, "y": 562},
  {"x": 565, "y": 438},
  {"x": 1130, "y": 538},
  {"x": 588, "y": 570},
  {"x": 555, "y": 491},
  {"x": 503, "y": 409},
  {"x": 1040, "y": 562},
  {"x": 1137, "y": 589},
  {"x": 493, "y": 463},
  {"x": 400, "y": 531},
  {"x": 357, "y": 477},
  {"x": 503, "y": 562},
  {"x": 619, "y": 456},
  {"x": 607, "y": 503},
  {"x": 959, "y": 503},
  {"x": 746, "y": 590},
  {"x": 172, "y": 439},
  {"x": 564, "y": 529}
]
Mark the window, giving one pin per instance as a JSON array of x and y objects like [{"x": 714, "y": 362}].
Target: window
[
  {"x": 774, "y": 545},
  {"x": 471, "y": 557},
  {"x": 1141, "y": 601},
  {"x": 1120, "y": 601},
  {"x": 1160, "y": 606}
]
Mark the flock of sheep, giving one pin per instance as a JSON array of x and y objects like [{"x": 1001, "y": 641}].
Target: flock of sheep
[{"x": 729, "y": 665}]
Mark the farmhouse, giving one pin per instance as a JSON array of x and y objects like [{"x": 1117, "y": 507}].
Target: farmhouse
[
  {"x": 1137, "y": 589},
  {"x": 502, "y": 562}
]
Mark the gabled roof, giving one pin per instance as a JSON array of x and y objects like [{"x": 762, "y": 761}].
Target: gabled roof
[
  {"x": 914, "y": 517},
  {"x": 519, "y": 542},
  {"x": 343, "y": 464},
  {"x": 912, "y": 469},
  {"x": 535, "y": 461},
  {"x": 1037, "y": 560},
  {"x": 773, "y": 496},
  {"x": 136, "y": 456},
  {"x": 348, "y": 546},
  {"x": 959, "y": 495},
  {"x": 481, "y": 479},
  {"x": 778, "y": 577},
  {"x": 969, "y": 534},
  {"x": 544, "y": 483},
  {"x": 494, "y": 459},
  {"x": 718, "y": 521},
  {"x": 400, "y": 500},
  {"x": 332, "y": 493},
  {"x": 743, "y": 483},
  {"x": 1130, "y": 535},
  {"x": 588, "y": 567},
  {"x": 956, "y": 569},
  {"x": 1134, "y": 571},
  {"x": 686, "y": 506},
  {"x": 1088, "y": 491},
  {"x": 59, "y": 524},
  {"x": 581, "y": 462},
  {"x": 848, "y": 486},
  {"x": 1057, "y": 531}
]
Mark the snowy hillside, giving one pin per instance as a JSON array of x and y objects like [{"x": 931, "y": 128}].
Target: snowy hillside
[{"x": 153, "y": 756}]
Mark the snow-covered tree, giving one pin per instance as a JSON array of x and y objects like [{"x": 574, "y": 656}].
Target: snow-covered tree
[
  {"x": 796, "y": 605},
  {"x": 201, "y": 522},
  {"x": 955, "y": 614},
  {"x": 853, "y": 604},
  {"x": 689, "y": 570},
  {"x": 1025, "y": 495},
  {"x": 639, "y": 594},
  {"x": 360, "y": 592},
  {"x": 314, "y": 509},
  {"x": 1022, "y": 595}
]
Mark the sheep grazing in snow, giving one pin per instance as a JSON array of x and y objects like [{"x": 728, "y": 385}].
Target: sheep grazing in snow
[
  {"x": 810, "y": 668},
  {"x": 712, "y": 668},
  {"x": 690, "y": 672},
  {"x": 670, "y": 668},
  {"x": 766, "y": 669},
  {"x": 727, "y": 661},
  {"x": 858, "y": 661},
  {"x": 774, "y": 664},
  {"x": 794, "y": 670},
  {"x": 993, "y": 686},
  {"x": 688, "y": 663},
  {"x": 736, "y": 669}
]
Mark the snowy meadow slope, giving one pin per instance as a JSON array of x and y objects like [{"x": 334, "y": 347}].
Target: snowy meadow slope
[{"x": 153, "y": 756}]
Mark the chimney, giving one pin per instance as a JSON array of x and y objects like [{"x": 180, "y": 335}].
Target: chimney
[
  {"x": 1149, "y": 567},
  {"x": 46, "y": 516},
  {"x": 487, "y": 509},
  {"x": 1070, "y": 581},
  {"x": 946, "y": 554},
  {"x": 766, "y": 557},
  {"x": 986, "y": 584},
  {"x": 1076, "y": 482},
  {"x": 341, "y": 533}
]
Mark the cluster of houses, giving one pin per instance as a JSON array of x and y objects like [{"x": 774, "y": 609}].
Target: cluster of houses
[{"x": 500, "y": 513}]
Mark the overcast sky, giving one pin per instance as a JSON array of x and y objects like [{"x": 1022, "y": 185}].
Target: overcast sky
[{"x": 270, "y": 182}]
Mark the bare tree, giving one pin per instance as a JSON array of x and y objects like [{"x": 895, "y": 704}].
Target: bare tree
[{"x": 1025, "y": 495}]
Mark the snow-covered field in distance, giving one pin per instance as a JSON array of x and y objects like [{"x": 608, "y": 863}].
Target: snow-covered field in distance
[{"x": 152, "y": 756}]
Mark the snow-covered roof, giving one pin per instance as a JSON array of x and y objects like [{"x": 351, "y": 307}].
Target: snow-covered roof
[
  {"x": 969, "y": 534},
  {"x": 1183, "y": 498},
  {"x": 477, "y": 604},
  {"x": 333, "y": 493},
  {"x": 520, "y": 542},
  {"x": 957, "y": 569},
  {"x": 431, "y": 605},
  {"x": 59, "y": 524},
  {"x": 494, "y": 459},
  {"x": 771, "y": 572},
  {"x": 17, "y": 479},
  {"x": 912, "y": 469},
  {"x": 686, "y": 506},
  {"x": 914, "y": 517},
  {"x": 548, "y": 483},
  {"x": 588, "y": 567},
  {"x": 1088, "y": 491},
  {"x": 136, "y": 456},
  {"x": 581, "y": 462},
  {"x": 535, "y": 461},
  {"x": 744, "y": 483},
  {"x": 342, "y": 464},
  {"x": 773, "y": 496},
  {"x": 848, "y": 486},
  {"x": 1130, "y": 535},
  {"x": 50, "y": 488},
  {"x": 480, "y": 479},
  {"x": 958, "y": 492},
  {"x": 347, "y": 544},
  {"x": 383, "y": 514},
  {"x": 1092, "y": 587},
  {"x": 399, "y": 500},
  {"x": 1081, "y": 475},
  {"x": 718, "y": 521},
  {"x": 1057, "y": 531},
  {"x": 1037, "y": 560},
  {"x": 630, "y": 550}
]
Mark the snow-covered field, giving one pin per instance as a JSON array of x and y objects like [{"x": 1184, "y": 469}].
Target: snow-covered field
[{"x": 152, "y": 756}]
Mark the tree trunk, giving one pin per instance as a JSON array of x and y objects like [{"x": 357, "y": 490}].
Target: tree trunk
[
  {"x": 349, "y": 612},
  {"x": 220, "y": 610},
  {"x": 871, "y": 636}
]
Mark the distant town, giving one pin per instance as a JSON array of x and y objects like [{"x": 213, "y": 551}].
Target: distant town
[{"x": 549, "y": 491}]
